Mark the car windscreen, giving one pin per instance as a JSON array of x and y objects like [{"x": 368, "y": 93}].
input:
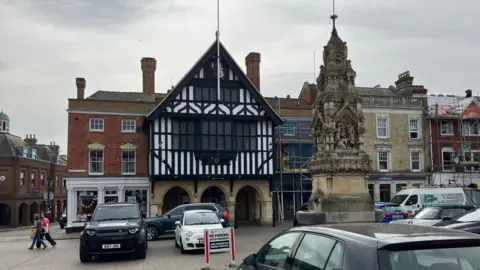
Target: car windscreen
[
  {"x": 116, "y": 212},
  {"x": 470, "y": 216},
  {"x": 398, "y": 199},
  {"x": 200, "y": 218},
  {"x": 438, "y": 255},
  {"x": 428, "y": 213}
]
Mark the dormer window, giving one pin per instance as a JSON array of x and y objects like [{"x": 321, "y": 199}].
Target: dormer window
[
  {"x": 25, "y": 152},
  {"x": 34, "y": 154}
]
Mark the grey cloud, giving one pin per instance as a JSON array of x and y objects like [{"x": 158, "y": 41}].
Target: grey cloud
[{"x": 94, "y": 14}]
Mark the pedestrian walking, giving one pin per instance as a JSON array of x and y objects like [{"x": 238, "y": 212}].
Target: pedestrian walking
[
  {"x": 37, "y": 224},
  {"x": 46, "y": 230}
]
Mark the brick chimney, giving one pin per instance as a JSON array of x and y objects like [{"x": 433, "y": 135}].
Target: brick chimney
[
  {"x": 252, "y": 62},
  {"x": 404, "y": 82},
  {"x": 81, "y": 84},
  {"x": 30, "y": 140},
  {"x": 54, "y": 148},
  {"x": 149, "y": 65}
]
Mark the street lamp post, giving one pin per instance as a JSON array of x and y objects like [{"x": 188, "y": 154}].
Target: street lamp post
[{"x": 49, "y": 191}]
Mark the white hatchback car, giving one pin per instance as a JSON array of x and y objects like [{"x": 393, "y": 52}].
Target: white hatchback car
[{"x": 189, "y": 231}]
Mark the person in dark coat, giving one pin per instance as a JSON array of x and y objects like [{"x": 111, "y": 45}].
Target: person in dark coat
[{"x": 37, "y": 224}]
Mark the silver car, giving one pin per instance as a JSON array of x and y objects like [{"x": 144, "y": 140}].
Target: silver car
[{"x": 433, "y": 215}]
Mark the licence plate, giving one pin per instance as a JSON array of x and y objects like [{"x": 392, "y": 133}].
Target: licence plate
[
  {"x": 111, "y": 246},
  {"x": 397, "y": 216}
]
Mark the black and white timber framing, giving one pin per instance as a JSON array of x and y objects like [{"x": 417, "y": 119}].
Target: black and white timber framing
[{"x": 195, "y": 136}]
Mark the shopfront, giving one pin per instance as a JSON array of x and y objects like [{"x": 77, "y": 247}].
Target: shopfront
[
  {"x": 382, "y": 188},
  {"x": 84, "y": 194}
]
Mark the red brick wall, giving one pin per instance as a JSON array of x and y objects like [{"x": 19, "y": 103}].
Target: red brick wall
[
  {"x": 438, "y": 141},
  {"x": 112, "y": 138}
]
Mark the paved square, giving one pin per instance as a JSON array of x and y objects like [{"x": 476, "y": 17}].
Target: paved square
[{"x": 161, "y": 254}]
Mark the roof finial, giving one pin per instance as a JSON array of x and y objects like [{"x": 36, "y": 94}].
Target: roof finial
[{"x": 334, "y": 17}]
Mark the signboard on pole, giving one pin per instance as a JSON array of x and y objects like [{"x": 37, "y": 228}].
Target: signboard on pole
[{"x": 219, "y": 240}]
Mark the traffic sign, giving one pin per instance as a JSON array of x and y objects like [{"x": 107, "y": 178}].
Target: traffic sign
[{"x": 46, "y": 197}]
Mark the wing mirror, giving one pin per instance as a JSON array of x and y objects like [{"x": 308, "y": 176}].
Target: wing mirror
[
  {"x": 446, "y": 218},
  {"x": 250, "y": 259},
  {"x": 178, "y": 223},
  {"x": 169, "y": 216},
  {"x": 89, "y": 218},
  {"x": 222, "y": 220}
]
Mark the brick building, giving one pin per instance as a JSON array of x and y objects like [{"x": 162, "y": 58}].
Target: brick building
[
  {"x": 455, "y": 144},
  {"x": 26, "y": 170},
  {"x": 107, "y": 147}
]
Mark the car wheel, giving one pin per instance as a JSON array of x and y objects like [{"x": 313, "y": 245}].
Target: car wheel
[
  {"x": 182, "y": 250},
  {"x": 85, "y": 256},
  {"x": 141, "y": 252},
  {"x": 152, "y": 233}
]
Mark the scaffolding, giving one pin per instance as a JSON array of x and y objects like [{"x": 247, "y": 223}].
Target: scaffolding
[
  {"x": 463, "y": 163},
  {"x": 295, "y": 133}
]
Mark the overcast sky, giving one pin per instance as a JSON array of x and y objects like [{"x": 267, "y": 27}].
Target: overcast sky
[{"x": 45, "y": 44}]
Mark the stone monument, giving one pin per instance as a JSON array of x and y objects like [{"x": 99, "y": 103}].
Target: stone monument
[{"x": 340, "y": 165}]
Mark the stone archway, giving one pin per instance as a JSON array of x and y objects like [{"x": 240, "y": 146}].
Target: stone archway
[
  {"x": 173, "y": 197},
  {"x": 247, "y": 205},
  {"x": 23, "y": 215},
  {"x": 214, "y": 194},
  {"x": 34, "y": 209},
  {"x": 5, "y": 214}
]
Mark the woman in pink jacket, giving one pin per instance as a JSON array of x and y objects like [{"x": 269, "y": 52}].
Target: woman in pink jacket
[{"x": 46, "y": 229}]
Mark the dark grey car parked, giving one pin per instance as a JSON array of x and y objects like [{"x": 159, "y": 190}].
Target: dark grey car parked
[
  {"x": 372, "y": 246},
  {"x": 114, "y": 228}
]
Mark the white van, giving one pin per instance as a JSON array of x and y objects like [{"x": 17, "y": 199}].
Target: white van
[{"x": 416, "y": 198}]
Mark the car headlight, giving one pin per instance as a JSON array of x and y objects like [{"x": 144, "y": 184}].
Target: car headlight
[
  {"x": 189, "y": 234},
  {"x": 90, "y": 232},
  {"x": 133, "y": 230}
]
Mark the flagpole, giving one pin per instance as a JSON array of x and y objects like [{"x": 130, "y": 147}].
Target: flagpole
[{"x": 218, "y": 50}]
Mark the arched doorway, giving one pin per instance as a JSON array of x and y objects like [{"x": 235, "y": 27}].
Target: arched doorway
[
  {"x": 34, "y": 209},
  {"x": 23, "y": 214},
  {"x": 247, "y": 206},
  {"x": 214, "y": 194},
  {"x": 5, "y": 213},
  {"x": 175, "y": 196}
]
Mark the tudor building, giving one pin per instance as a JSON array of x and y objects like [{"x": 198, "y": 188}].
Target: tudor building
[{"x": 206, "y": 147}]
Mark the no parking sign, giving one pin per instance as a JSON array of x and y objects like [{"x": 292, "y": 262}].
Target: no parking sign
[{"x": 219, "y": 240}]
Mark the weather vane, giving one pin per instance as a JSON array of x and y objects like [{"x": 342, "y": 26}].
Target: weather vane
[{"x": 334, "y": 17}]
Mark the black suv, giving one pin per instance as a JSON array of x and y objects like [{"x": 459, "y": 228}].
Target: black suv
[
  {"x": 114, "y": 228},
  {"x": 165, "y": 224}
]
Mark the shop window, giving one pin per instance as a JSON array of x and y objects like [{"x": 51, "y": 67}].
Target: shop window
[
  {"x": 111, "y": 196},
  {"x": 139, "y": 196},
  {"x": 399, "y": 187},
  {"x": 371, "y": 190},
  {"x": 385, "y": 192},
  {"x": 86, "y": 203}
]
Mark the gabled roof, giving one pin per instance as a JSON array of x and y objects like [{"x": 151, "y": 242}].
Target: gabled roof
[
  {"x": 450, "y": 105},
  {"x": 242, "y": 77}
]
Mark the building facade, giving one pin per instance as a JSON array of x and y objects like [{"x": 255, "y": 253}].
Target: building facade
[
  {"x": 396, "y": 137},
  {"x": 27, "y": 169},
  {"x": 455, "y": 144},
  {"x": 292, "y": 182},
  {"x": 207, "y": 146},
  {"x": 108, "y": 148}
]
